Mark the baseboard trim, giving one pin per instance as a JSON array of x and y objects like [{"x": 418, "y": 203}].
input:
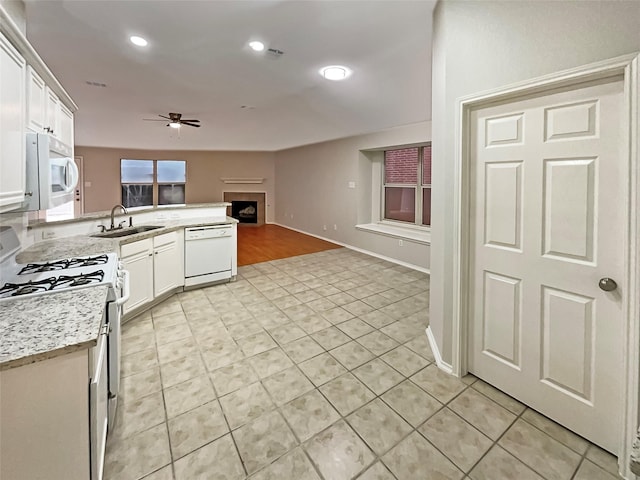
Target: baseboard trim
[
  {"x": 442, "y": 365},
  {"x": 361, "y": 250}
]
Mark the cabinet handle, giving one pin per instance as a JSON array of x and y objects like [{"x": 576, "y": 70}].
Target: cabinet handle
[
  {"x": 151, "y": 254},
  {"x": 28, "y": 194}
]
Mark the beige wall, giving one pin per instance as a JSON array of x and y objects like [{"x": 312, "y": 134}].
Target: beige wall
[
  {"x": 204, "y": 170},
  {"x": 312, "y": 190},
  {"x": 478, "y": 46}
]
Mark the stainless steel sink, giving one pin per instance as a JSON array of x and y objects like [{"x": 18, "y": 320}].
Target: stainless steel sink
[{"x": 125, "y": 232}]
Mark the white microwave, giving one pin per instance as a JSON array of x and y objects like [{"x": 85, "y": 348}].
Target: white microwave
[{"x": 51, "y": 175}]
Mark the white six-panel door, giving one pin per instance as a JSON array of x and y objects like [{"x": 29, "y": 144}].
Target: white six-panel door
[{"x": 548, "y": 208}]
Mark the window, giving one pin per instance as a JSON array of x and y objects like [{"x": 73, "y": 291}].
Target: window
[
  {"x": 152, "y": 182},
  {"x": 406, "y": 193}
]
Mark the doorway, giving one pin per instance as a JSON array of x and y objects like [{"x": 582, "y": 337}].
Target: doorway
[
  {"x": 546, "y": 183},
  {"x": 547, "y": 247}
]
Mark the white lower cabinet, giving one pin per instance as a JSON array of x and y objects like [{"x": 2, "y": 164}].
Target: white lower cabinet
[
  {"x": 137, "y": 259},
  {"x": 45, "y": 413},
  {"x": 155, "y": 265},
  {"x": 167, "y": 265}
]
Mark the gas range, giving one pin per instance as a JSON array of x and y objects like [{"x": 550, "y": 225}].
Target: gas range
[
  {"x": 18, "y": 281},
  {"x": 21, "y": 280},
  {"x": 24, "y": 280}
]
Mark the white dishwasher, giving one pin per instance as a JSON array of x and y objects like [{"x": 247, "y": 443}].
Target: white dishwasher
[{"x": 207, "y": 254}]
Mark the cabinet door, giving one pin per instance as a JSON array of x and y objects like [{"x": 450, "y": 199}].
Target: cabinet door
[
  {"x": 140, "y": 267},
  {"x": 12, "y": 121},
  {"x": 45, "y": 419},
  {"x": 166, "y": 268},
  {"x": 52, "y": 123},
  {"x": 36, "y": 92},
  {"x": 66, "y": 126}
]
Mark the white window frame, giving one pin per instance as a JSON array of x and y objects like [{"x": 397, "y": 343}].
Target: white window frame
[
  {"x": 372, "y": 214},
  {"x": 155, "y": 196},
  {"x": 418, "y": 191}
]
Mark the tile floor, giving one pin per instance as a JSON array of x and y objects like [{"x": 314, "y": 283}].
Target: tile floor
[{"x": 317, "y": 367}]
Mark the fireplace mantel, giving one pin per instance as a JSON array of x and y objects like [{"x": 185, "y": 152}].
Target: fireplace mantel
[{"x": 242, "y": 180}]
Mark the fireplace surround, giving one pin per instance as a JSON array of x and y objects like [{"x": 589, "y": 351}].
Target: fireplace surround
[{"x": 257, "y": 197}]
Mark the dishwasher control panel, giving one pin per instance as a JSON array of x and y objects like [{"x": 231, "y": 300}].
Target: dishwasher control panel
[{"x": 197, "y": 233}]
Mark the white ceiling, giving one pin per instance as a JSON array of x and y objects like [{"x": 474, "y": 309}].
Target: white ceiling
[{"x": 198, "y": 63}]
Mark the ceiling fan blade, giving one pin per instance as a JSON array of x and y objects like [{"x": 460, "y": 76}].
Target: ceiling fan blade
[
  {"x": 164, "y": 116},
  {"x": 153, "y": 120},
  {"x": 190, "y": 120},
  {"x": 189, "y": 124}
]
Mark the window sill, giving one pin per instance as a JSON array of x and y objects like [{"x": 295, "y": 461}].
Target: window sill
[{"x": 413, "y": 234}]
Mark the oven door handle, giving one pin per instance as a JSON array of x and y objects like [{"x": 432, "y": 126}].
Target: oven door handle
[{"x": 125, "y": 287}]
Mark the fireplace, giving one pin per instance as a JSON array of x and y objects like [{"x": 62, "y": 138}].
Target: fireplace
[
  {"x": 244, "y": 211},
  {"x": 249, "y": 202}
]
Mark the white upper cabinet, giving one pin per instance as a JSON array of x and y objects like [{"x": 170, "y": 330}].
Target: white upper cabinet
[
  {"x": 52, "y": 121},
  {"x": 45, "y": 112},
  {"x": 31, "y": 99},
  {"x": 12, "y": 121},
  {"x": 36, "y": 91},
  {"x": 58, "y": 118},
  {"x": 65, "y": 125}
]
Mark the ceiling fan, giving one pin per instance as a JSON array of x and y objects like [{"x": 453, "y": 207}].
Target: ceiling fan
[{"x": 175, "y": 120}]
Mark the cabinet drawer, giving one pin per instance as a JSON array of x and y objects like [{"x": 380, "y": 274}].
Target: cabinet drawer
[
  {"x": 164, "y": 239},
  {"x": 134, "y": 248}
]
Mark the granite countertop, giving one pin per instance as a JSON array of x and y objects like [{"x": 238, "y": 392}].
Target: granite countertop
[
  {"x": 66, "y": 247},
  {"x": 46, "y": 326},
  {"x": 81, "y": 245},
  {"x": 107, "y": 214}
]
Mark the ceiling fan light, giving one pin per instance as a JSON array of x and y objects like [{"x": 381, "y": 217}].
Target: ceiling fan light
[
  {"x": 174, "y": 124},
  {"x": 256, "y": 46},
  {"x": 335, "y": 72}
]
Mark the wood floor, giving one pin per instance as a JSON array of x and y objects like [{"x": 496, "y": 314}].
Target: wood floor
[{"x": 271, "y": 242}]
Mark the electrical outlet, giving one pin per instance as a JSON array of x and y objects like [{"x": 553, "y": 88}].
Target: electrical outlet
[
  {"x": 47, "y": 234},
  {"x": 291, "y": 216},
  {"x": 324, "y": 227},
  {"x": 401, "y": 243},
  {"x": 335, "y": 227},
  {"x": 352, "y": 184}
]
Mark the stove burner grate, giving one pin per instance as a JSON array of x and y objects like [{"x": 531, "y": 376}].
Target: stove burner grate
[
  {"x": 16, "y": 289},
  {"x": 51, "y": 283},
  {"x": 78, "y": 280},
  {"x": 88, "y": 262},
  {"x": 63, "y": 264}
]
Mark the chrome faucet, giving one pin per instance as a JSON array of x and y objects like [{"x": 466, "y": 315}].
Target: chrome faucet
[{"x": 113, "y": 212}]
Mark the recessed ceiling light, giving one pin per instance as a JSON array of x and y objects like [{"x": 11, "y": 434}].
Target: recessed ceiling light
[
  {"x": 139, "y": 41},
  {"x": 174, "y": 124},
  {"x": 335, "y": 72},
  {"x": 256, "y": 46}
]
